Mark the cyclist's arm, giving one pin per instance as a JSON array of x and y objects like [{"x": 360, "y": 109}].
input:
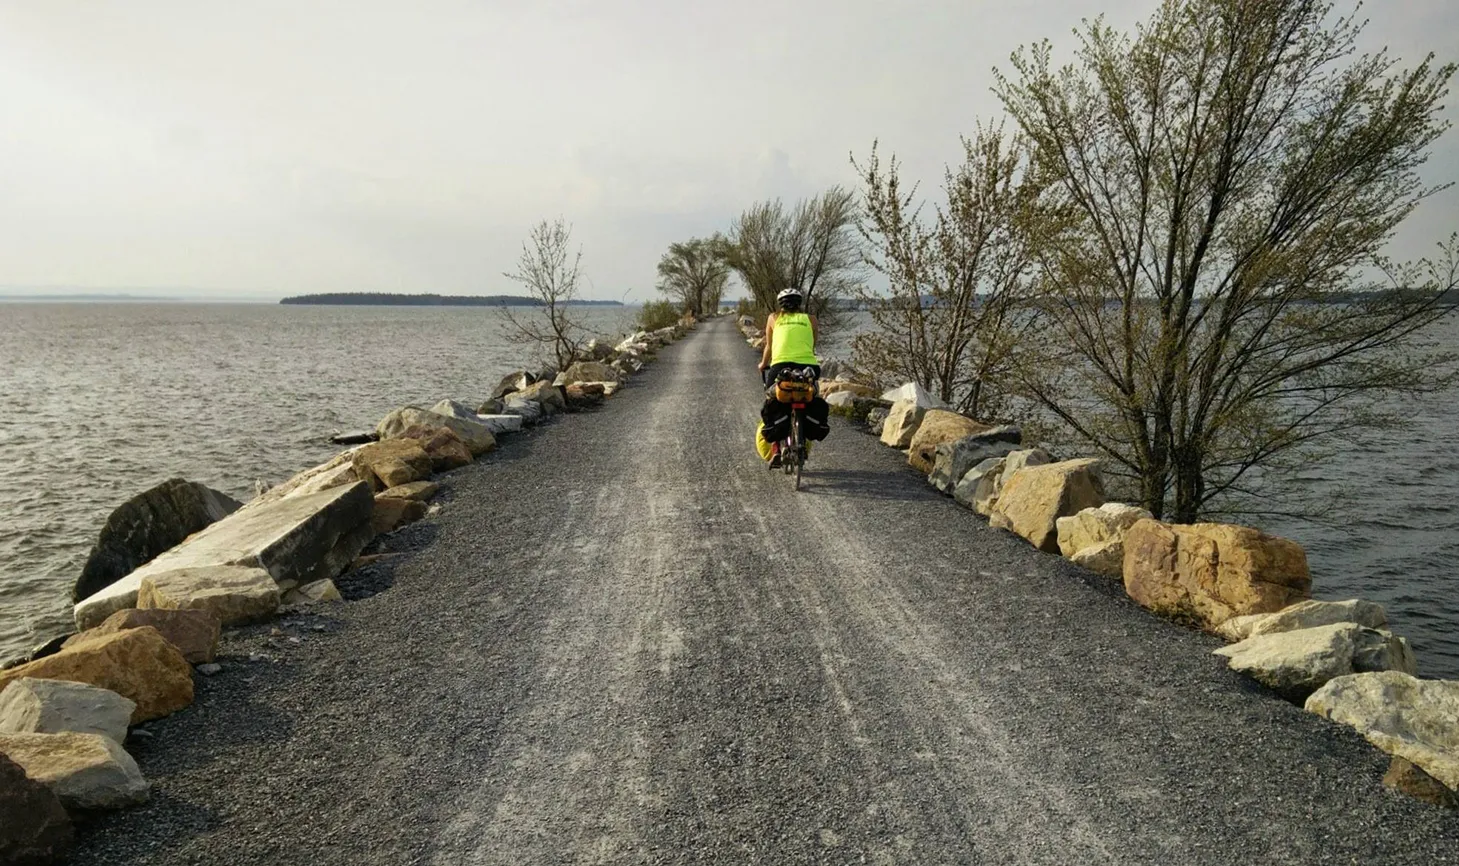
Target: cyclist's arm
[
  {"x": 769, "y": 330},
  {"x": 815, "y": 332}
]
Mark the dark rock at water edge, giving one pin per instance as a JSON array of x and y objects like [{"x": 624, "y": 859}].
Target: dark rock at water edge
[
  {"x": 147, "y": 525},
  {"x": 34, "y": 826},
  {"x": 358, "y": 437}
]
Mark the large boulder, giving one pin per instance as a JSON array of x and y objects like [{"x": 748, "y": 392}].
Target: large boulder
[
  {"x": 194, "y": 632},
  {"x": 954, "y": 458},
  {"x": 546, "y": 395},
  {"x": 598, "y": 350},
  {"x": 582, "y": 395},
  {"x": 978, "y": 488},
  {"x": 338, "y": 471},
  {"x": 499, "y": 423},
  {"x": 301, "y": 538},
  {"x": 441, "y": 444},
  {"x": 513, "y": 381},
  {"x": 234, "y": 595},
  {"x": 453, "y": 409},
  {"x": 1304, "y": 614},
  {"x": 852, "y": 388},
  {"x": 840, "y": 400},
  {"x": 138, "y": 664},
  {"x": 418, "y": 490},
  {"x": 1298, "y": 663},
  {"x": 901, "y": 424},
  {"x": 146, "y": 525},
  {"x": 586, "y": 371},
  {"x": 529, "y": 411},
  {"x": 86, "y": 771},
  {"x": 939, "y": 426},
  {"x": 32, "y": 706},
  {"x": 1101, "y": 531},
  {"x": 477, "y": 436},
  {"x": 914, "y": 394},
  {"x": 1410, "y": 718},
  {"x": 1032, "y": 499},
  {"x": 392, "y": 462},
  {"x": 1209, "y": 572},
  {"x": 35, "y": 829},
  {"x": 391, "y": 513}
]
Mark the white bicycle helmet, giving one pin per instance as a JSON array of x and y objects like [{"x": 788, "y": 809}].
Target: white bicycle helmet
[{"x": 786, "y": 294}]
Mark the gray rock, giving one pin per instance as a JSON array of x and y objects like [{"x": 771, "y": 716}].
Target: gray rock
[
  {"x": 1304, "y": 614},
  {"x": 147, "y": 525},
  {"x": 490, "y": 407},
  {"x": 35, "y": 706},
  {"x": 211, "y": 669},
  {"x": 513, "y": 381},
  {"x": 1404, "y": 716},
  {"x": 529, "y": 411},
  {"x": 499, "y": 423},
  {"x": 953, "y": 459},
  {"x": 876, "y": 419},
  {"x": 978, "y": 488},
  {"x": 302, "y": 538},
  {"x": 86, "y": 771}
]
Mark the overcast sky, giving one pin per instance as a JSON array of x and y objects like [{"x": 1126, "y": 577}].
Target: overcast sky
[{"x": 255, "y": 148}]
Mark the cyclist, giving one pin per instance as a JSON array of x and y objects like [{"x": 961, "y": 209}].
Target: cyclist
[{"x": 790, "y": 341}]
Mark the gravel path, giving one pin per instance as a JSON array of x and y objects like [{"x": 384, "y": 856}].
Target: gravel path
[{"x": 625, "y": 642}]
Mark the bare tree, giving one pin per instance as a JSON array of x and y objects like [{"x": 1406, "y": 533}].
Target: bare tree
[
  {"x": 955, "y": 318},
  {"x": 549, "y": 269},
  {"x": 694, "y": 274},
  {"x": 813, "y": 247},
  {"x": 1223, "y": 185}
]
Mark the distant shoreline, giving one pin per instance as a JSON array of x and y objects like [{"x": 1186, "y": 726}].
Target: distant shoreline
[{"x": 377, "y": 299}]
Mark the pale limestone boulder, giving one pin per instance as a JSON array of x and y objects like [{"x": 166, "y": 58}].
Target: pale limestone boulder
[
  {"x": 939, "y": 426},
  {"x": 417, "y": 490},
  {"x": 499, "y": 424},
  {"x": 454, "y": 409},
  {"x": 138, "y": 664},
  {"x": 318, "y": 592},
  {"x": 840, "y": 398},
  {"x": 32, "y": 706},
  {"x": 392, "y": 462},
  {"x": 1414, "y": 719},
  {"x": 1297, "y": 663},
  {"x": 1096, "y": 526},
  {"x": 852, "y": 388},
  {"x": 916, "y": 395},
  {"x": 86, "y": 771},
  {"x": 901, "y": 424},
  {"x": 1031, "y": 500},
  {"x": 34, "y": 827},
  {"x": 301, "y": 538},
  {"x": 477, "y": 436},
  {"x": 338, "y": 471},
  {"x": 587, "y": 371},
  {"x": 234, "y": 594},
  {"x": 195, "y": 633},
  {"x": 1207, "y": 573},
  {"x": 1304, "y": 614},
  {"x": 1106, "y": 558},
  {"x": 441, "y": 444}
]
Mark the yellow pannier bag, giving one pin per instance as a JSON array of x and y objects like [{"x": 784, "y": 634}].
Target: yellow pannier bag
[{"x": 789, "y": 391}]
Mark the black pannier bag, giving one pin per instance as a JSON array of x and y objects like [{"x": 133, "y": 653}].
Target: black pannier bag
[{"x": 815, "y": 423}]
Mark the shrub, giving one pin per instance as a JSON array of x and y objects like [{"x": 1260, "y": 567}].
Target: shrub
[{"x": 657, "y": 314}]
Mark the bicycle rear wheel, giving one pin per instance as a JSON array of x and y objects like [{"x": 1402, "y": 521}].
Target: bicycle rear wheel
[{"x": 797, "y": 446}]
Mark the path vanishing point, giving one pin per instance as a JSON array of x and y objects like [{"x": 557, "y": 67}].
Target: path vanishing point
[{"x": 623, "y": 641}]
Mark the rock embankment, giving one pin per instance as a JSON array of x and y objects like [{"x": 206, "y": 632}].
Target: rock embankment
[
  {"x": 180, "y": 562},
  {"x": 1338, "y": 659}
]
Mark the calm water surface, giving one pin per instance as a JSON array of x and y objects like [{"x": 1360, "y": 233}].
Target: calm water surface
[{"x": 100, "y": 401}]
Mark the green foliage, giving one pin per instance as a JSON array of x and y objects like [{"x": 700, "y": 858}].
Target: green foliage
[
  {"x": 694, "y": 274},
  {"x": 657, "y": 314}
]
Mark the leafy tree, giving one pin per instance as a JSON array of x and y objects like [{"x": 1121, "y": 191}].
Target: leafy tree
[
  {"x": 694, "y": 274},
  {"x": 657, "y": 314},
  {"x": 550, "y": 270},
  {"x": 1222, "y": 185},
  {"x": 955, "y": 318},
  {"x": 812, "y": 246}
]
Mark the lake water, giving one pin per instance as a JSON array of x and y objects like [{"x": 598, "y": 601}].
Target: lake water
[{"x": 100, "y": 401}]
